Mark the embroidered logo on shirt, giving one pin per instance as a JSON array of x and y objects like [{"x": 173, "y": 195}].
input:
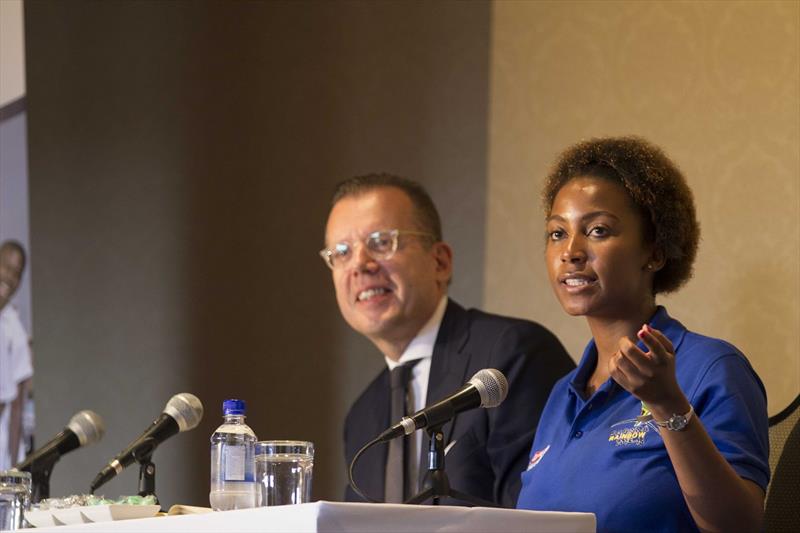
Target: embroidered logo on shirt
[
  {"x": 634, "y": 430},
  {"x": 645, "y": 415},
  {"x": 536, "y": 457}
]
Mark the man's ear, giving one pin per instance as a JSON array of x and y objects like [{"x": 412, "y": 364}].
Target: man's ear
[{"x": 443, "y": 255}]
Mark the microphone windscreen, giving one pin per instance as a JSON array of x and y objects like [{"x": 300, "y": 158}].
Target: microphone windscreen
[
  {"x": 491, "y": 385},
  {"x": 186, "y": 409},
  {"x": 88, "y": 426}
]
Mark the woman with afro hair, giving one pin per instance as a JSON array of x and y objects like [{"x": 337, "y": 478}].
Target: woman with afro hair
[{"x": 658, "y": 428}]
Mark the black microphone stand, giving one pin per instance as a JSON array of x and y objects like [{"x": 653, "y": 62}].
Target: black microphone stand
[
  {"x": 40, "y": 476},
  {"x": 435, "y": 485},
  {"x": 147, "y": 470}
]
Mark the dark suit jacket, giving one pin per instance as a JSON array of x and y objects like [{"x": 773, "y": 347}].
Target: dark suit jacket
[{"x": 492, "y": 445}]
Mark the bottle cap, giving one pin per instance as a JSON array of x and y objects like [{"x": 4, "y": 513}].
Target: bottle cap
[{"x": 233, "y": 407}]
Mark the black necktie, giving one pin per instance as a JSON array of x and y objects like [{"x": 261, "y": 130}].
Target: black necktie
[{"x": 396, "y": 488}]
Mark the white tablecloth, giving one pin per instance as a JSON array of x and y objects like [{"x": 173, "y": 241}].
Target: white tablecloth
[{"x": 352, "y": 517}]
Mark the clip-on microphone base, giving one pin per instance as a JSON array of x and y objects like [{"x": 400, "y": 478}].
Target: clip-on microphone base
[
  {"x": 147, "y": 470},
  {"x": 436, "y": 485},
  {"x": 40, "y": 477}
]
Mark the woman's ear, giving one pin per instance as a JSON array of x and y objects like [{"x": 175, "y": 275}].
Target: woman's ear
[{"x": 656, "y": 261}]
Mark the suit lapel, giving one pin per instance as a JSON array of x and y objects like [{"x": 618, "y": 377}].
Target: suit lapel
[
  {"x": 370, "y": 469},
  {"x": 449, "y": 366}
]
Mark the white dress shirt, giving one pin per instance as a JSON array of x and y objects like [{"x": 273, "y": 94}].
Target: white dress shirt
[{"x": 421, "y": 347}]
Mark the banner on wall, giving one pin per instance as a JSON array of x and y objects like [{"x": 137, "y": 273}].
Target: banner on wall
[{"x": 16, "y": 361}]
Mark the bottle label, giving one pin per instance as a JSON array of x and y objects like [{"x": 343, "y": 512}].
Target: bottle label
[{"x": 235, "y": 463}]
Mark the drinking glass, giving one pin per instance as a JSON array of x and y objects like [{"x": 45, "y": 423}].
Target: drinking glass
[
  {"x": 15, "y": 498},
  {"x": 284, "y": 471}
]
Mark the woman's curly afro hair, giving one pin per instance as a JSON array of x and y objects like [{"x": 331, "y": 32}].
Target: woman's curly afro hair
[{"x": 656, "y": 187}]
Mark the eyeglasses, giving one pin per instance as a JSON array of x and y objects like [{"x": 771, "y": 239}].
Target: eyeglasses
[{"x": 380, "y": 245}]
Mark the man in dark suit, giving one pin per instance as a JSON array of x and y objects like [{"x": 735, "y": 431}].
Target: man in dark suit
[{"x": 391, "y": 270}]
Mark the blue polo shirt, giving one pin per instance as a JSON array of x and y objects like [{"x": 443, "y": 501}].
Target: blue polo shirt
[{"x": 591, "y": 455}]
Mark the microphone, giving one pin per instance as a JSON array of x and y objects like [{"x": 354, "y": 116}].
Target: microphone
[
  {"x": 182, "y": 412},
  {"x": 85, "y": 427},
  {"x": 487, "y": 388}
]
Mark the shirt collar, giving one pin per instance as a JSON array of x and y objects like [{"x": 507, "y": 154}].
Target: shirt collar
[
  {"x": 421, "y": 346},
  {"x": 671, "y": 328}
]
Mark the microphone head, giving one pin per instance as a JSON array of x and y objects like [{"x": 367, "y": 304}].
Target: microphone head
[
  {"x": 88, "y": 426},
  {"x": 492, "y": 385},
  {"x": 186, "y": 409}
]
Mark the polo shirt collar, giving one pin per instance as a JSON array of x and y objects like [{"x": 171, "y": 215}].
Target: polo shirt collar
[{"x": 671, "y": 328}]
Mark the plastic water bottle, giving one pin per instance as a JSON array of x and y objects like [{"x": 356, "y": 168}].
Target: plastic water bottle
[{"x": 233, "y": 483}]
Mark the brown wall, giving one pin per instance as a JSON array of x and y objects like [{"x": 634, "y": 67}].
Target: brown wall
[
  {"x": 182, "y": 155},
  {"x": 717, "y": 85}
]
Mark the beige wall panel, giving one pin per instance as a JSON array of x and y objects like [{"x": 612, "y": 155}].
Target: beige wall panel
[
  {"x": 717, "y": 86},
  {"x": 12, "y": 52}
]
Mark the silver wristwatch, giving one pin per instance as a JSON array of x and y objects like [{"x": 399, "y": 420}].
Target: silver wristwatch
[{"x": 676, "y": 422}]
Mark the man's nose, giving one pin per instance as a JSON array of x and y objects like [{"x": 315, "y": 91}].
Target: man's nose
[{"x": 362, "y": 260}]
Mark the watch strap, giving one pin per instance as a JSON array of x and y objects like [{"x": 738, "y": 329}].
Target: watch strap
[{"x": 676, "y": 422}]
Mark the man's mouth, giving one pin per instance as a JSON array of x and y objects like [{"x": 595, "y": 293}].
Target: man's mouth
[{"x": 368, "y": 294}]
